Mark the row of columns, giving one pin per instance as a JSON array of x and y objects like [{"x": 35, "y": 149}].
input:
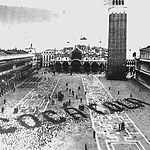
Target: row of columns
[
  {"x": 47, "y": 57},
  {"x": 81, "y": 68}
]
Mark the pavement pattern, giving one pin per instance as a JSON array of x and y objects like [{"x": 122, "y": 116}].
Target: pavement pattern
[
  {"x": 106, "y": 126},
  {"x": 52, "y": 136},
  {"x": 29, "y": 129},
  {"x": 41, "y": 132}
]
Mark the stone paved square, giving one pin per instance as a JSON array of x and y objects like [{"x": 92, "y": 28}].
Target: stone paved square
[{"x": 43, "y": 122}]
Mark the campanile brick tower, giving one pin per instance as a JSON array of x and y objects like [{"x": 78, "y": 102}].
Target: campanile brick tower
[{"x": 116, "y": 69}]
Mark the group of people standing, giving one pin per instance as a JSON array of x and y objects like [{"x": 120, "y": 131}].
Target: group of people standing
[
  {"x": 72, "y": 92},
  {"x": 121, "y": 126},
  {"x": 6, "y": 86}
]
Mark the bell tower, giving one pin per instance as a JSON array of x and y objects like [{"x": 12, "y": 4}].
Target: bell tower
[{"x": 117, "y": 39}]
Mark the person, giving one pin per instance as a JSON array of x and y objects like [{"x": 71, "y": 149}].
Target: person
[
  {"x": 94, "y": 134},
  {"x": 80, "y": 100},
  {"x": 73, "y": 93},
  {"x": 69, "y": 102},
  {"x": 130, "y": 94},
  {"x": 122, "y": 126},
  {"x": 85, "y": 147},
  {"x": 79, "y": 88},
  {"x": 118, "y": 92},
  {"x": 2, "y": 109},
  {"x": 119, "y": 126},
  {"x": 4, "y": 101},
  {"x": 15, "y": 110},
  {"x": 56, "y": 95},
  {"x": 53, "y": 102},
  {"x": 76, "y": 96}
]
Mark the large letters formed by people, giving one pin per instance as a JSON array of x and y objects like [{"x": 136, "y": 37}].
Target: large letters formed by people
[
  {"x": 125, "y": 104},
  {"x": 128, "y": 103},
  {"x": 55, "y": 121},
  {"x": 8, "y": 130},
  {"x": 23, "y": 123},
  {"x": 37, "y": 123},
  {"x": 90, "y": 106},
  {"x": 73, "y": 114}
]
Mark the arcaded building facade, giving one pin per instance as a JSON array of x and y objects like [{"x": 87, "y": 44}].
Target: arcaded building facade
[
  {"x": 80, "y": 59},
  {"x": 143, "y": 66},
  {"x": 15, "y": 66}
]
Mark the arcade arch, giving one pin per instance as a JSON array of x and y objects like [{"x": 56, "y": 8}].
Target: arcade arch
[
  {"x": 86, "y": 67},
  {"x": 65, "y": 66},
  {"x": 58, "y": 66},
  {"x": 94, "y": 67},
  {"x": 76, "y": 66}
]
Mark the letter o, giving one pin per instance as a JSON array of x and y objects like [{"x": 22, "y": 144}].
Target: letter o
[{"x": 37, "y": 122}]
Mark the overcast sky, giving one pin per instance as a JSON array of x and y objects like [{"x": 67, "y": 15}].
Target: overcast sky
[{"x": 68, "y": 21}]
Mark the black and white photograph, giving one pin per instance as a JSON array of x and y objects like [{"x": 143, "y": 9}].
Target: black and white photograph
[{"x": 74, "y": 75}]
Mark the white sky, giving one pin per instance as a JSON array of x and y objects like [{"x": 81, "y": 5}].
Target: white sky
[{"x": 76, "y": 18}]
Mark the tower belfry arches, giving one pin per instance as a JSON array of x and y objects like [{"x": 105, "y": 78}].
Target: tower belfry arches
[
  {"x": 76, "y": 66},
  {"x": 118, "y": 2}
]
